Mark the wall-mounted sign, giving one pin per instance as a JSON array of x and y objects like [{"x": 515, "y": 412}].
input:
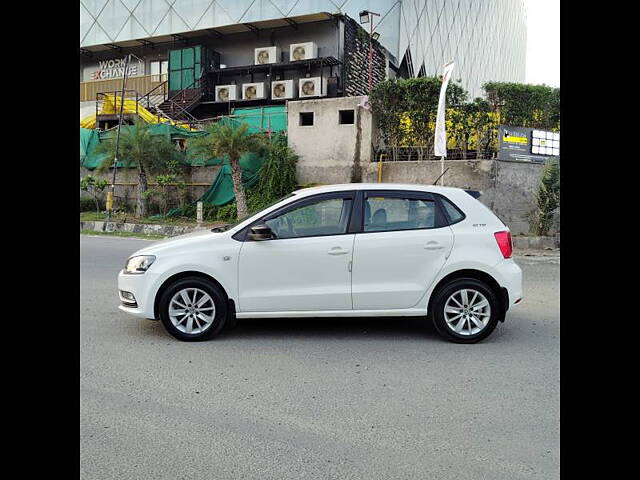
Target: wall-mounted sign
[
  {"x": 527, "y": 144},
  {"x": 109, "y": 69}
]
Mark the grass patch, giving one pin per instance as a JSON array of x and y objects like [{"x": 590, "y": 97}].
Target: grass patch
[
  {"x": 129, "y": 218},
  {"x": 148, "y": 236}
]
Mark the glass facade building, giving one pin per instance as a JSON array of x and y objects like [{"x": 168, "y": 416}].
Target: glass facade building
[{"x": 486, "y": 38}]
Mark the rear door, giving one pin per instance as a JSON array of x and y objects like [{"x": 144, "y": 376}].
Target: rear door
[{"x": 404, "y": 243}]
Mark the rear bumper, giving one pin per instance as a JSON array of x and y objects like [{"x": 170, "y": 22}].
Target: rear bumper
[{"x": 510, "y": 280}]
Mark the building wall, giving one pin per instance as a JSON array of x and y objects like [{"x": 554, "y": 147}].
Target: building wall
[
  {"x": 356, "y": 60},
  {"x": 487, "y": 38},
  {"x": 329, "y": 152}
]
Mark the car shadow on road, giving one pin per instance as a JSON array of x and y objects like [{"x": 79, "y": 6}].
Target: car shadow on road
[{"x": 337, "y": 328}]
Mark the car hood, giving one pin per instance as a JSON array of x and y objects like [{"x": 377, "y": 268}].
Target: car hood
[{"x": 180, "y": 242}]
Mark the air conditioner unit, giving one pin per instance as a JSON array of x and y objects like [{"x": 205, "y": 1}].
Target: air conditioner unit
[
  {"x": 252, "y": 91},
  {"x": 265, "y": 55},
  {"x": 282, "y": 89},
  {"x": 311, "y": 87},
  {"x": 225, "y": 93},
  {"x": 302, "y": 51}
]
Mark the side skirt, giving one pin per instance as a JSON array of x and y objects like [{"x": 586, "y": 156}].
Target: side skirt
[{"x": 335, "y": 313}]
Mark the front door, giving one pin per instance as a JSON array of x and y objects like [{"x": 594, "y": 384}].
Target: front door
[
  {"x": 403, "y": 246},
  {"x": 306, "y": 267}
]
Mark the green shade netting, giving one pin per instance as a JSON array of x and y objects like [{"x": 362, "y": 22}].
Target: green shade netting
[
  {"x": 221, "y": 190},
  {"x": 88, "y": 141},
  {"x": 261, "y": 119}
]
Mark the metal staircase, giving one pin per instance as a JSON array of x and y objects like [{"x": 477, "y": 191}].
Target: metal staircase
[{"x": 176, "y": 108}]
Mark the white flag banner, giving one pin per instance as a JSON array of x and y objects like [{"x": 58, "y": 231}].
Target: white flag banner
[{"x": 440, "y": 144}]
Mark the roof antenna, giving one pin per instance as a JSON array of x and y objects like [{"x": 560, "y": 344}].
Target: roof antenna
[{"x": 445, "y": 171}]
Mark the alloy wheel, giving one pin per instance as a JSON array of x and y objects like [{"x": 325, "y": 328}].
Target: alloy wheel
[
  {"x": 192, "y": 310},
  {"x": 467, "y": 312}
]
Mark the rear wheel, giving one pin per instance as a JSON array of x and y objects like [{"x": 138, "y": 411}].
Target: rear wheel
[
  {"x": 465, "y": 310},
  {"x": 193, "y": 309}
]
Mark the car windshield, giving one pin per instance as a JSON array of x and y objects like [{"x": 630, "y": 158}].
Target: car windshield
[{"x": 229, "y": 226}]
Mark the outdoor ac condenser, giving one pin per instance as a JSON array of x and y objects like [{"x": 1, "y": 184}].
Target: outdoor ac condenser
[
  {"x": 252, "y": 91},
  {"x": 311, "y": 87},
  {"x": 225, "y": 93},
  {"x": 266, "y": 55},
  {"x": 282, "y": 89},
  {"x": 302, "y": 51}
]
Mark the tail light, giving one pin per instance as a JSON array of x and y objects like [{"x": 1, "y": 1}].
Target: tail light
[{"x": 504, "y": 243}]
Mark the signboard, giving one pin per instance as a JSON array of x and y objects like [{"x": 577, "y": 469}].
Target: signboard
[
  {"x": 527, "y": 144},
  {"x": 114, "y": 68}
]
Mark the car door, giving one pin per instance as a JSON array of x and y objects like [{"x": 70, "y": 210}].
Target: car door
[
  {"x": 403, "y": 245},
  {"x": 306, "y": 267}
]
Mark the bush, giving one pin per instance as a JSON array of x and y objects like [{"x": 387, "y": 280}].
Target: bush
[
  {"x": 547, "y": 198},
  {"x": 88, "y": 204}
]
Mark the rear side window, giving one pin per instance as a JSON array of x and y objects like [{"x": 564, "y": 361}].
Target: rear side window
[
  {"x": 453, "y": 212},
  {"x": 393, "y": 213}
]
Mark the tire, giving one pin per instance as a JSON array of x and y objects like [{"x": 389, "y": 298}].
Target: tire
[
  {"x": 196, "y": 328},
  {"x": 470, "y": 322}
]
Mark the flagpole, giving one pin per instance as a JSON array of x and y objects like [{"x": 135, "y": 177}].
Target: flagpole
[{"x": 440, "y": 138}]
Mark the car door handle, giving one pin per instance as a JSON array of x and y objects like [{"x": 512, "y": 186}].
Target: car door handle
[
  {"x": 433, "y": 246},
  {"x": 337, "y": 251}
]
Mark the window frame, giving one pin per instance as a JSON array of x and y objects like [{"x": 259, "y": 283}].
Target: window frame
[
  {"x": 340, "y": 114},
  {"x": 308, "y": 200},
  {"x": 313, "y": 119},
  {"x": 410, "y": 195}
]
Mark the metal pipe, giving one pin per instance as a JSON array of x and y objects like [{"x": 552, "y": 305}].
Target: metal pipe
[{"x": 115, "y": 159}]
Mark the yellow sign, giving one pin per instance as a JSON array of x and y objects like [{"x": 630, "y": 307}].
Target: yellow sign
[{"x": 512, "y": 139}]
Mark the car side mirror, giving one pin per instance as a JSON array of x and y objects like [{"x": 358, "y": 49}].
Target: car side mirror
[{"x": 260, "y": 232}]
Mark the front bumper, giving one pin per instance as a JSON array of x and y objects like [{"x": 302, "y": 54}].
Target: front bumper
[{"x": 140, "y": 286}]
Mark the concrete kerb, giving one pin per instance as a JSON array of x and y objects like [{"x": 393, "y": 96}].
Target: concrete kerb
[
  {"x": 168, "y": 230},
  {"x": 519, "y": 242}
]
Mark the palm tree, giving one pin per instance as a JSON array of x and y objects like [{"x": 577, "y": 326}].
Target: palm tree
[
  {"x": 141, "y": 149},
  {"x": 228, "y": 140}
]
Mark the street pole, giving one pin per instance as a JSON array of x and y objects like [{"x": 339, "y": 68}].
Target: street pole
[{"x": 115, "y": 159}]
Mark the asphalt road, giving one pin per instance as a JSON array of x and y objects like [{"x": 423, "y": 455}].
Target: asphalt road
[{"x": 315, "y": 399}]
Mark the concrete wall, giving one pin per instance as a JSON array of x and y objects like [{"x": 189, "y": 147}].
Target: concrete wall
[
  {"x": 508, "y": 188},
  {"x": 329, "y": 152},
  {"x": 130, "y": 175}
]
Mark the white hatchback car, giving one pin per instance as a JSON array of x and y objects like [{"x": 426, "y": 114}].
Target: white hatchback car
[{"x": 354, "y": 250}]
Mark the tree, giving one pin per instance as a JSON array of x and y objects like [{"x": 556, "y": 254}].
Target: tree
[
  {"x": 226, "y": 139},
  {"x": 94, "y": 187},
  {"x": 141, "y": 149}
]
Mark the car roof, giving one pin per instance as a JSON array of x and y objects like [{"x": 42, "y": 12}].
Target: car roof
[{"x": 374, "y": 186}]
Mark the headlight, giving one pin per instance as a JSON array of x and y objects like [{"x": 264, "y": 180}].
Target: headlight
[{"x": 139, "y": 264}]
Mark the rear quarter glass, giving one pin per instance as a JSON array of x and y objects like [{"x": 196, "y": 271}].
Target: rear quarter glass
[{"x": 476, "y": 212}]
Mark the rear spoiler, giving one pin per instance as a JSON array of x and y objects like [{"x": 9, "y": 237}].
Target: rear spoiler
[{"x": 474, "y": 193}]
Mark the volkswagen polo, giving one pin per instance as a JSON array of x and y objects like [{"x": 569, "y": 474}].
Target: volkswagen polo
[{"x": 354, "y": 250}]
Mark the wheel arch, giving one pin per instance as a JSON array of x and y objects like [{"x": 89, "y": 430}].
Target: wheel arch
[
  {"x": 500, "y": 292},
  {"x": 178, "y": 276}
]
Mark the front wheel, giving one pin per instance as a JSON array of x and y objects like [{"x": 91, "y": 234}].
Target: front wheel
[
  {"x": 193, "y": 309},
  {"x": 465, "y": 310}
]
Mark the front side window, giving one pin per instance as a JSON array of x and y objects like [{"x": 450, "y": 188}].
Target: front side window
[
  {"x": 394, "y": 213},
  {"x": 324, "y": 217}
]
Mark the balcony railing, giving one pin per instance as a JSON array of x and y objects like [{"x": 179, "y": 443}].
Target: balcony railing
[{"x": 89, "y": 90}]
